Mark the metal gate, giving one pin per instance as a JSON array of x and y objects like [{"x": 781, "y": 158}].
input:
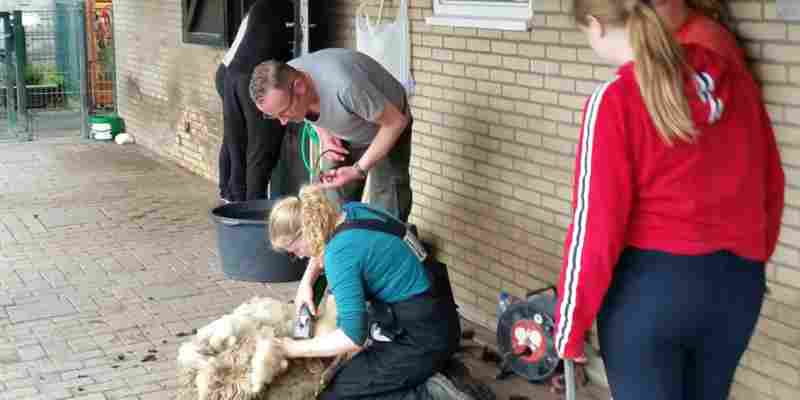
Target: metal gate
[
  {"x": 49, "y": 63},
  {"x": 12, "y": 125}
]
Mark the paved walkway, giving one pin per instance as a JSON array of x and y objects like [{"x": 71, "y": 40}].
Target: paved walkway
[
  {"x": 107, "y": 259},
  {"x": 107, "y": 255}
]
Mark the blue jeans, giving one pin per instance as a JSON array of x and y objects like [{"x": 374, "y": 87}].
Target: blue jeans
[{"x": 675, "y": 327}]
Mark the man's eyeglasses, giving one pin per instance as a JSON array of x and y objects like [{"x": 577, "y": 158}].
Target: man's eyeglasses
[{"x": 288, "y": 106}]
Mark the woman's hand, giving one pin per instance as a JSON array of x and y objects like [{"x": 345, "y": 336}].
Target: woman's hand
[
  {"x": 558, "y": 383},
  {"x": 305, "y": 291},
  {"x": 305, "y": 294}
]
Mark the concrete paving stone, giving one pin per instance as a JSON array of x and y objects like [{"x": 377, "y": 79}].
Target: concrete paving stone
[
  {"x": 39, "y": 310},
  {"x": 175, "y": 289},
  {"x": 15, "y": 331},
  {"x": 11, "y": 372},
  {"x": 82, "y": 344},
  {"x": 26, "y": 295},
  {"x": 95, "y": 396},
  {"x": 178, "y": 327},
  {"x": 132, "y": 352},
  {"x": 59, "y": 394},
  {"x": 99, "y": 388},
  {"x": 9, "y": 354},
  {"x": 46, "y": 366},
  {"x": 131, "y": 392},
  {"x": 16, "y": 227},
  {"x": 30, "y": 353},
  {"x": 55, "y": 277},
  {"x": 46, "y": 379},
  {"x": 28, "y": 275},
  {"x": 104, "y": 359},
  {"x": 11, "y": 281},
  {"x": 119, "y": 374},
  {"x": 68, "y": 217},
  {"x": 31, "y": 221},
  {"x": 67, "y": 386},
  {"x": 20, "y": 393},
  {"x": 131, "y": 336},
  {"x": 21, "y": 383},
  {"x": 57, "y": 349},
  {"x": 87, "y": 355},
  {"x": 5, "y": 235},
  {"x": 157, "y": 333},
  {"x": 160, "y": 395}
]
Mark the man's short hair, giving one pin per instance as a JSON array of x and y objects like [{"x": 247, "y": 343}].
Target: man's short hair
[{"x": 268, "y": 75}]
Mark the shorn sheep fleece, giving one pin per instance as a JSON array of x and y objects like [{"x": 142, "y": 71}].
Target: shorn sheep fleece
[{"x": 235, "y": 357}]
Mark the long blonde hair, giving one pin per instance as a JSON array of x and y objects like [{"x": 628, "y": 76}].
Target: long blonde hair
[
  {"x": 310, "y": 214},
  {"x": 659, "y": 63}
]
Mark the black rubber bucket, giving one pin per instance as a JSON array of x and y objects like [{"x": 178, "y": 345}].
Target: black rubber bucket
[{"x": 244, "y": 247}]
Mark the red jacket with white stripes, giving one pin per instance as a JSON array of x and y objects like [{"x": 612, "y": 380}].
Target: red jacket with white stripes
[{"x": 724, "y": 191}]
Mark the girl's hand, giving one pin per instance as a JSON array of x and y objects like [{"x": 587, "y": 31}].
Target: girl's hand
[{"x": 305, "y": 294}]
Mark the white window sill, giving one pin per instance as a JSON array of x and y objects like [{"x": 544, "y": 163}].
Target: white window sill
[{"x": 507, "y": 24}]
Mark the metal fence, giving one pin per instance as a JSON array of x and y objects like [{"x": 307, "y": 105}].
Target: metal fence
[
  {"x": 53, "y": 58},
  {"x": 10, "y": 126}
]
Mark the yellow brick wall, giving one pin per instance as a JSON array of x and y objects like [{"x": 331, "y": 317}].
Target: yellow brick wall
[
  {"x": 496, "y": 124},
  {"x": 166, "y": 88}
]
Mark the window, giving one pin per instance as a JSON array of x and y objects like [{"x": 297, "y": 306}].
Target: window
[
  {"x": 204, "y": 22},
  {"x": 514, "y": 15}
]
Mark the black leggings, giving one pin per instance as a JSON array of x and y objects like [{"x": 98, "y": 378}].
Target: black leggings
[
  {"x": 396, "y": 370},
  {"x": 250, "y": 144}
]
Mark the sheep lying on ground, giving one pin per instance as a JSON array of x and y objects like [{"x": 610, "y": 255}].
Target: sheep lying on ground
[{"x": 235, "y": 357}]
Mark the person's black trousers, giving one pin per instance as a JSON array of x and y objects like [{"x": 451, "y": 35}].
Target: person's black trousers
[
  {"x": 251, "y": 143},
  {"x": 674, "y": 327},
  {"x": 396, "y": 370},
  {"x": 224, "y": 156}
]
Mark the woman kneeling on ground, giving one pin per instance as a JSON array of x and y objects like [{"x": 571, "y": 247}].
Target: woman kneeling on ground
[{"x": 418, "y": 329}]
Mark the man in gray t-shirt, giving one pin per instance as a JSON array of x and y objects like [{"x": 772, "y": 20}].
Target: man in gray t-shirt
[{"x": 360, "y": 112}]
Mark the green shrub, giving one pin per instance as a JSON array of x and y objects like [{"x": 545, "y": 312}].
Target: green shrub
[{"x": 43, "y": 74}]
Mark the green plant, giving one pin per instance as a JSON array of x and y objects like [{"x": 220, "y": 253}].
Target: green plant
[
  {"x": 43, "y": 74},
  {"x": 32, "y": 75},
  {"x": 53, "y": 76}
]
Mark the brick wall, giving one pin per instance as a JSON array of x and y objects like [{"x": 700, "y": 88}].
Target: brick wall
[
  {"x": 495, "y": 133},
  {"x": 165, "y": 87},
  {"x": 496, "y": 125}
]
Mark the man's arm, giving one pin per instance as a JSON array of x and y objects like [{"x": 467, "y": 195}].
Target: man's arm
[{"x": 392, "y": 123}]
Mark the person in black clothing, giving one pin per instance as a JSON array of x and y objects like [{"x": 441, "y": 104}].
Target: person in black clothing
[{"x": 251, "y": 144}]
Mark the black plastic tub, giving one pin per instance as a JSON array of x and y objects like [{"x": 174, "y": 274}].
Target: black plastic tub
[{"x": 244, "y": 248}]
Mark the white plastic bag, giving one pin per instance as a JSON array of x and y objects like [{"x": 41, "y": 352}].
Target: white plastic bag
[{"x": 388, "y": 43}]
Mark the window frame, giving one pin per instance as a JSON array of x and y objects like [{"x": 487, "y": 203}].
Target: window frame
[
  {"x": 189, "y": 13},
  {"x": 503, "y": 15}
]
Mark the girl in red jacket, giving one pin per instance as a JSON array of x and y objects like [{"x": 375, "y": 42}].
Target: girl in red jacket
[
  {"x": 677, "y": 204},
  {"x": 697, "y": 22}
]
